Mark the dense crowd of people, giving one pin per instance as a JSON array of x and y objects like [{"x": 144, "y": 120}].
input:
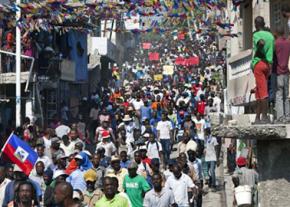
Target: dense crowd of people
[
  {"x": 138, "y": 142},
  {"x": 141, "y": 141}
]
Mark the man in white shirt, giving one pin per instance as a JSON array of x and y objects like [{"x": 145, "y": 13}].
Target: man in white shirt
[
  {"x": 159, "y": 196},
  {"x": 47, "y": 143},
  {"x": 200, "y": 125},
  {"x": 137, "y": 103},
  {"x": 211, "y": 156},
  {"x": 154, "y": 148},
  {"x": 3, "y": 183},
  {"x": 165, "y": 131},
  {"x": 41, "y": 157},
  {"x": 216, "y": 102},
  {"x": 61, "y": 130},
  {"x": 107, "y": 144},
  {"x": 180, "y": 184}
]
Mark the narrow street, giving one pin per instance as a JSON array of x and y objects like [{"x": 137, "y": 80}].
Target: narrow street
[{"x": 222, "y": 197}]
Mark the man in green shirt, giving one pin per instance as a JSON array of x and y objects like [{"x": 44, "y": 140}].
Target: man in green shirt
[
  {"x": 263, "y": 48},
  {"x": 111, "y": 198},
  {"x": 135, "y": 186}
]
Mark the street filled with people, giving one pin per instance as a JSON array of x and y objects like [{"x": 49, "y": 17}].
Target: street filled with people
[{"x": 145, "y": 140}]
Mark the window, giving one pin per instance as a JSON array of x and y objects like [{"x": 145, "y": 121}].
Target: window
[{"x": 276, "y": 17}]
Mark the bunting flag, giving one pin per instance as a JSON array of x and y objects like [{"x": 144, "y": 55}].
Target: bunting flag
[
  {"x": 154, "y": 56},
  {"x": 146, "y": 45},
  {"x": 20, "y": 153},
  {"x": 56, "y": 14},
  {"x": 180, "y": 61},
  {"x": 187, "y": 61}
]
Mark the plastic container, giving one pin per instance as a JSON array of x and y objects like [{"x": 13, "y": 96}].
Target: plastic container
[{"x": 243, "y": 195}]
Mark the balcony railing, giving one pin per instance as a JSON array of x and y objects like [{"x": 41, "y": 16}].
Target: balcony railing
[{"x": 8, "y": 64}]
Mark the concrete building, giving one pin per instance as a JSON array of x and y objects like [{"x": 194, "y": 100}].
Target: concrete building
[
  {"x": 272, "y": 151},
  {"x": 240, "y": 78}
]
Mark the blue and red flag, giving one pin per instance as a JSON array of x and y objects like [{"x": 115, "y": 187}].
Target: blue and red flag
[{"x": 20, "y": 153}]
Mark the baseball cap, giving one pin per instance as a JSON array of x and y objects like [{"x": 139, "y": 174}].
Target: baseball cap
[
  {"x": 40, "y": 142},
  {"x": 105, "y": 134},
  {"x": 90, "y": 175},
  {"x": 61, "y": 156},
  {"x": 58, "y": 173},
  {"x": 241, "y": 161},
  {"x": 55, "y": 140},
  {"x": 79, "y": 157},
  {"x": 133, "y": 165},
  {"x": 115, "y": 158}
]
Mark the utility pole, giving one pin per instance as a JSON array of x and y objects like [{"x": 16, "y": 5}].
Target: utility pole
[{"x": 18, "y": 67}]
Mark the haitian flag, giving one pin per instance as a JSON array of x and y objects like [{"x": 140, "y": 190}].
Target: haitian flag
[{"x": 20, "y": 153}]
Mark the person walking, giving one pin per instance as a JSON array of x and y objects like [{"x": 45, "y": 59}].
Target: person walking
[
  {"x": 135, "y": 185},
  {"x": 211, "y": 157},
  {"x": 159, "y": 196}
]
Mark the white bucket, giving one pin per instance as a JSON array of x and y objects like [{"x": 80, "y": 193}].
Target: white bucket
[{"x": 243, "y": 195}]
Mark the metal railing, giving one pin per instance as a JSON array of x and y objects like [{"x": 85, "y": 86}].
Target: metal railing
[{"x": 13, "y": 70}]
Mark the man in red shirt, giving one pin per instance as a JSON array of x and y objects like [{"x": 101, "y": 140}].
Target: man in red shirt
[
  {"x": 282, "y": 50},
  {"x": 201, "y": 105}
]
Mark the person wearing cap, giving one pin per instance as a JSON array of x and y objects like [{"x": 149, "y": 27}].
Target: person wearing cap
[
  {"x": 245, "y": 176},
  {"x": 61, "y": 161},
  {"x": 111, "y": 198},
  {"x": 107, "y": 144},
  {"x": 128, "y": 125},
  {"x": 76, "y": 178},
  {"x": 59, "y": 176},
  {"x": 115, "y": 170},
  {"x": 92, "y": 194},
  {"x": 55, "y": 146},
  {"x": 135, "y": 185},
  {"x": 104, "y": 128},
  {"x": 159, "y": 196},
  {"x": 49, "y": 188}
]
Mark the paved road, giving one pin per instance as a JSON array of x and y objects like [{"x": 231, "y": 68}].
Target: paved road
[{"x": 218, "y": 198}]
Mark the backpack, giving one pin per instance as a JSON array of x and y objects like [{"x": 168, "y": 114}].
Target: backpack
[{"x": 157, "y": 145}]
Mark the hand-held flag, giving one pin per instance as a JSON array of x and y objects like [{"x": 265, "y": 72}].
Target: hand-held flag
[{"x": 20, "y": 153}]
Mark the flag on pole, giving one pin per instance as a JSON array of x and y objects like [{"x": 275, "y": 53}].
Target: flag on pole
[{"x": 20, "y": 153}]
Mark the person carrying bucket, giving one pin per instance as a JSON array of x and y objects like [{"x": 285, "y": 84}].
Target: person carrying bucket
[{"x": 245, "y": 178}]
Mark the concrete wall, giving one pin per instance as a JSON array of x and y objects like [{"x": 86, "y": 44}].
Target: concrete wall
[{"x": 274, "y": 171}]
